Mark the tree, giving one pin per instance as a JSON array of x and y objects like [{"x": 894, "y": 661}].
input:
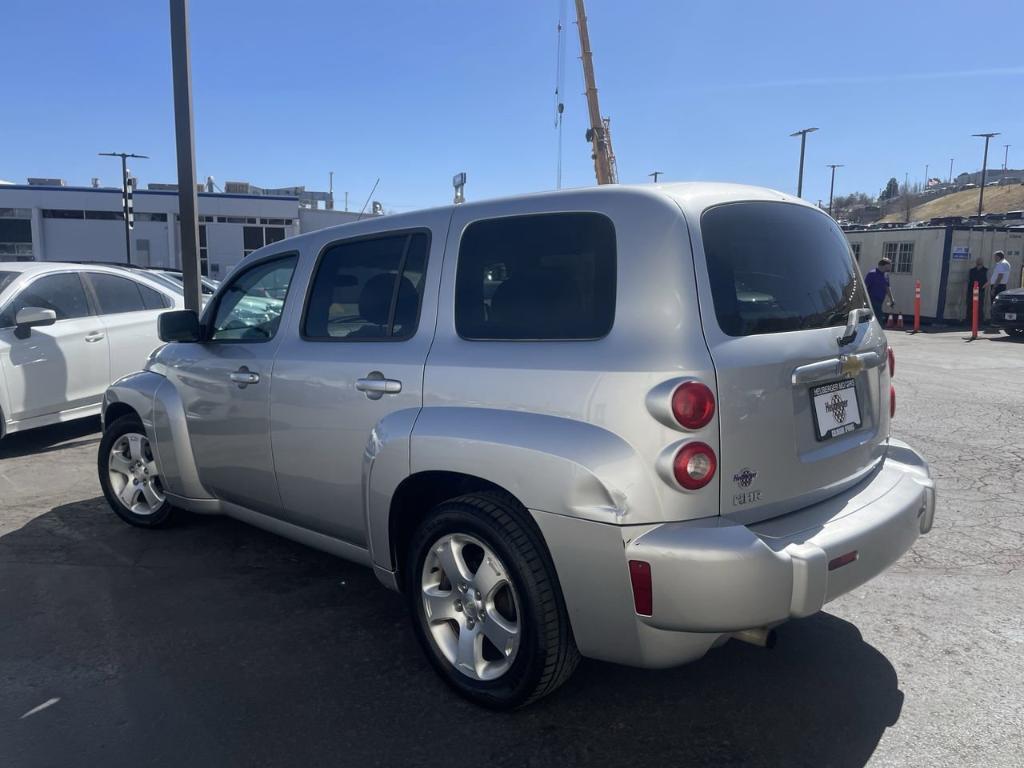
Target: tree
[{"x": 892, "y": 190}]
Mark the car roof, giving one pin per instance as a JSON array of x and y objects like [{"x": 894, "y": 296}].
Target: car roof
[
  {"x": 692, "y": 197},
  {"x": 29, "y": 268}
]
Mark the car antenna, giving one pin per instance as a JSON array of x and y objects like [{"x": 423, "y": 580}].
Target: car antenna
[{"x": 368, "y": 199}]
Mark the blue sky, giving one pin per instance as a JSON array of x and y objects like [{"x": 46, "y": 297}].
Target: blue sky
[{"x": 413, "y": 92}]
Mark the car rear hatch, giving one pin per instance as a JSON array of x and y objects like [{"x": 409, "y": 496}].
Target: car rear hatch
[{"x": 801, "y": 368}]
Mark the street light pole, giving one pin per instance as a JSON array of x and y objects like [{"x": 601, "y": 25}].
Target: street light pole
[
  {"x": 802, "y": 133},
  {"x": 656, "y": 174},
  {"x": 984, "y": 167},
  {"x": 951, "y": 170},
  {"x": 181, "y": 70},
  {"x": 1006, "y": 155},
  {"x": 832, "y": 187},
  {"x": 124, "y": 198}
]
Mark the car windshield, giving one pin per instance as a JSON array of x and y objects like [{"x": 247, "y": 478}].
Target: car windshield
[
  {"x": 778, "y": 267},
  {"x": 6, "y": 278}
]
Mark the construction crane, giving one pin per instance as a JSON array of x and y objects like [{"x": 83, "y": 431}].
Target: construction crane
[{"x": 599, "y": 133}]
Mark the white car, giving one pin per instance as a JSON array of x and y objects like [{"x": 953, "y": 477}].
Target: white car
[{"x": 66, "y": 332}]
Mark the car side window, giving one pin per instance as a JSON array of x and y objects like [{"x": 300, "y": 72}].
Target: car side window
[
  {"x": 116, "y": 294},
  {"x": 370, "y": 288},
  {"x": 250, "y": 308},
  {"x": 63, "y": 293},
  {"x": 536, "y": 277},
  {"x": 153, "y": 299}
]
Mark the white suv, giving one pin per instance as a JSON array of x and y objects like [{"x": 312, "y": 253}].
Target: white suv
[{"x": 66, "y": 332}]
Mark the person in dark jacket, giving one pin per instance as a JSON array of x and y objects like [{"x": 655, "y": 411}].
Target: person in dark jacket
[
  {"x": 877, "y": 283},
  {"x": 979, "y": 275}
]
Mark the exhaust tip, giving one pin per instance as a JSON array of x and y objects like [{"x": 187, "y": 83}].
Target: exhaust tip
[{"x": 762, "y": 637}]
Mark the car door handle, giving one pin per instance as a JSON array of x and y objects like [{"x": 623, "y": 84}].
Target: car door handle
[
  {"x": 243, "y": 377},
  {"x": 378, "y": 386},
  {"x": 95, "y": 336}
]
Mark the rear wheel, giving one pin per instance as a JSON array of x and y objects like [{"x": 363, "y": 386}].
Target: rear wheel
[
  {"x": 485, "y": 602},
  {"x": 130, "y": 477}
]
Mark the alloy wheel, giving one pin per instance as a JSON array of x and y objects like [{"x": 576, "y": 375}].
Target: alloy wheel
[
  {"x": 470, "y": 606},
  {"x": 134, "y": 477}
]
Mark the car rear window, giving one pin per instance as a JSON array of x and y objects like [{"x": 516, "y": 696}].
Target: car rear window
[
  {"x": 778, "y": 267},
  {"x": 537, "y": 277}
]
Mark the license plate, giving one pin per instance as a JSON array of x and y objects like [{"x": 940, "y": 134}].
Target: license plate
[
  {"x": 1010, "y": 315},
  {"x": 835, "y": 407}
]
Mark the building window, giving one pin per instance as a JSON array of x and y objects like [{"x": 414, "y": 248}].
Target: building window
[
  {"x": 257, "y": 237},
  {"x": 150, "y": 216},
  {"x": 103, "y": 215},
  {"x": 60, "y": 213},
  {"x": 15, "y": 239},
  {"x": 901, "y": 255},
  {"x": 855, "y": 247},
  {"x": 15, "y": 213},
  {"x": 204, "y": 263}
]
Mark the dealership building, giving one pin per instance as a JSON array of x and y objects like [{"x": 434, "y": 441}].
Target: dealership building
[
  {"x": 46, "y": 220},
  {"x": 940, "y": 257}
]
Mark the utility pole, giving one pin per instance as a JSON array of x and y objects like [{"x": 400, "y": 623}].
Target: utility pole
[
  {"x": 598, "y": 134},
  {"x": 951, "y": 170},
  {"x": 1006, "y": 154},
  {"x": 184, "y": 134},
  {"x": 926, "y": 175},
  {"x": 656, "y": 174},
  {"x": 832, "y": 186},
  {"x": 906, "y": 194},
  {"x": 126, "y": 199},
  {"x": 984, "y": 167},
  {"x": 803, "y": 143}
]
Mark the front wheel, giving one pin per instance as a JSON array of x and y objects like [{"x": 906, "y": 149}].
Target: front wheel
[
  {"x": 129, "y": 475},
  {"x": 485, "y": 602}
]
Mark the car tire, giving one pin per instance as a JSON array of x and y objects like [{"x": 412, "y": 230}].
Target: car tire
[
  {"x": 508, "y": 643},
  {"x": 129, "y": 476}
]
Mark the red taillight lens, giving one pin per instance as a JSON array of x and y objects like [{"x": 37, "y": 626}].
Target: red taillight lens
[
  {"x": 892, "y": 401},
  {"x": 892, "y": 363},
  {"x": 693, "y": 404},
  {"x": 643, "y": 591},
  {"x": 694, "y": 466}
]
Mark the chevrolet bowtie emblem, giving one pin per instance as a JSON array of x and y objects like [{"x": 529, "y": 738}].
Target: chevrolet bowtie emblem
[{"x": 850, "y": 366}]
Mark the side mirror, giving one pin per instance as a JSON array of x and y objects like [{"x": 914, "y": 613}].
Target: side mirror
[
  {"x": 179, "y": 325},
  {"x": 32, "y": 317}
]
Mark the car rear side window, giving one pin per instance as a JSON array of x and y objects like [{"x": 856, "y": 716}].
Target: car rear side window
[
  {"x": 116, "y": 294},
  {"x": 153, "y": 299},
  {"x": 777, "y": 266},
  {"x": 63, "y": 293},
  {"x": 537, "y": 277},
  {"x": 368, "y": 289}
]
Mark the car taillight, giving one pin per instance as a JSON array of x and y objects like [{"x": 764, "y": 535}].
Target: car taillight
[
  {"x": 892, "y": 401},
  {"x": 694, "y": 465},
  {"x": 892, "y": 363},
  {"x": 643, "y": 591},
  {"x": 693, "y": 404}
]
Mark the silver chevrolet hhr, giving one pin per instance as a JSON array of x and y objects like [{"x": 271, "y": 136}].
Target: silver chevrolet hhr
[{"x": 628, "y": 423}]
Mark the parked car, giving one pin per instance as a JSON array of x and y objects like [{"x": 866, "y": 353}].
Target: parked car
[
  {"x": 1008, "y": 312},
  {"x": 66, "y": 332},
  {"x": 173, "y": 279},
  {"x": 624, "y": 422}
]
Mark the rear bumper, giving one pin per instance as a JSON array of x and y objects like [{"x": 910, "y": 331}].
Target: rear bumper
[
  {"x": 712, "y": 577},
  {"x": 732, "y": 577}
]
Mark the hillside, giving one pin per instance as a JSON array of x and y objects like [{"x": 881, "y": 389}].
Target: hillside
[{"x": 997, "y": 200}]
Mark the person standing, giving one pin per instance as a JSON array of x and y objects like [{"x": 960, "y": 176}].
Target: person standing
[
  {"x": 1000, "y": 274},
  {"x": 977, "y": 275},
  {"x": 877, "y": 283}
]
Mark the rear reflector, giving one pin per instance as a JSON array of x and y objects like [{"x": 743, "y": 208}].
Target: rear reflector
[
  {"x": 892, "y": 401},
  {"x": 643, "y": 592},
  {"x": 839, "y": 562},
  {"x": 892, "y": 363}
]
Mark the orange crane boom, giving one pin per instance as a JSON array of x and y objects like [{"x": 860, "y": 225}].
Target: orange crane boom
[{"x": 599, "y": 134}]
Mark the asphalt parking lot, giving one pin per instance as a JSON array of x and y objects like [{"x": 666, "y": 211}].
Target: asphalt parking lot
[{"x": 214, "y": 644}]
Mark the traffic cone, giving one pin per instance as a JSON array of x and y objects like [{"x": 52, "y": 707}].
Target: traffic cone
[
  {"x": 889, "y": 323},
  {"x": 899, "y": 321}
]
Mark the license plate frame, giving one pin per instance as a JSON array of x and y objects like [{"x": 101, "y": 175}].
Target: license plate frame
[{"x": 831, "y": 406}]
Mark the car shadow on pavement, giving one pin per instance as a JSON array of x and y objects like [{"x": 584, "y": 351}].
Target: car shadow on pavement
[
  {"x": 51, "y": 438},
  {"x": 212, "y": 643}
]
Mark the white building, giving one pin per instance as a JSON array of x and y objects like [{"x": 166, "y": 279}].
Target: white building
[
  {"x": 940, "y": 257},
  {"x": 59, "y": 223}
]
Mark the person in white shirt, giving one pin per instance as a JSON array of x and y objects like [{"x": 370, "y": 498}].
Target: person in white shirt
[{"x": 1000, "y": 274}]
